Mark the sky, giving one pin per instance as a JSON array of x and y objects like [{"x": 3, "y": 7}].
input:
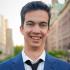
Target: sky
[{"x": 11, "y": 10}]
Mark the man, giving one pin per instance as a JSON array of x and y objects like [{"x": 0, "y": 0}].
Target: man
[{"x": 35, "y": 19}]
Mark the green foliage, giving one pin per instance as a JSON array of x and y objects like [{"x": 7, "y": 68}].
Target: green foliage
[
  {"x": 6, "y": 58},
  {"x": 0, "y": 52},
  {"x": 58, "y": 54},
  {"x": 17, "y": 49}
]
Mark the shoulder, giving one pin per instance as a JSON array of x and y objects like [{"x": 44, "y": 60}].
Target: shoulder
[
  {"x": 7, "y": 65},
  {"x": 57, "y": 63}
]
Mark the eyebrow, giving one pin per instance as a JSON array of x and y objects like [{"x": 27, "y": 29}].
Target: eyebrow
[
  {"x": 29, "y": 21},
  {"x": 39, "y": 22},
  {"x": 44, "y": 22}
]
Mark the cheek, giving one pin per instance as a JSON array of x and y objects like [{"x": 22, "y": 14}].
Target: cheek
[
  {"x": 26, "y": 33},
  {"x": 45, "y": 33}
]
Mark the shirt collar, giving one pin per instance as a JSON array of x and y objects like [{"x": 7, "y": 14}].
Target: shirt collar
[{"x": 25, "y": 57}]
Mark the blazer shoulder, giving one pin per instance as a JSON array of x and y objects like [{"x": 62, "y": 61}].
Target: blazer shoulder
[
  {"x": 7, "y": 65},
  {"x": 58, "y": 63}
]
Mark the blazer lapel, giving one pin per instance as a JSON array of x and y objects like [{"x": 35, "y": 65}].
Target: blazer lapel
[
  {"x": 48, "y": 63},
  {"x": 18, "y": 63}
]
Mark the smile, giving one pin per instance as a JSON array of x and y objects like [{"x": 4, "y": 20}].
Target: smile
[{"x": 36, "y": 37}]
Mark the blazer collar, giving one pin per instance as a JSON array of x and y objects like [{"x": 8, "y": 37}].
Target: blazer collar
[
  {"x": 19, "y": 65},
  {"x": 49, "y": 62}
]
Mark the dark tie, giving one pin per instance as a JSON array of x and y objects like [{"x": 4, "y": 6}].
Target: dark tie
[{"x": 35, "y": 65}]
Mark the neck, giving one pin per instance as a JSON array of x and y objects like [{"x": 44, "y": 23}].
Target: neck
[{"x": 33, "y": 53}]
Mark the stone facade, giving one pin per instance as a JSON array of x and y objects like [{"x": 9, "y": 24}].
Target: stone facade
[
  {"x": 6, "y": 43},
  {"x": 59, "y": 35}
]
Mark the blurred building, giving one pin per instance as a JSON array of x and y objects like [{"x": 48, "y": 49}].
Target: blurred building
[
  {"x": 55, "y": 9},
  {"x": 5, "y": 38},
  {"x": 54, "y": 1},
  {"x": 59, "y": 35},
  {"x": 9, "y": 42},
  {"x": 64, "y": 27}
]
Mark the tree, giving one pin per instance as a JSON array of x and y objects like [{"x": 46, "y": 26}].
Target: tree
[{"x": 17, "y": 49}]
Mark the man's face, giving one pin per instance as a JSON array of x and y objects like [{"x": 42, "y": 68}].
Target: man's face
[{"x": 35, "y": 28}]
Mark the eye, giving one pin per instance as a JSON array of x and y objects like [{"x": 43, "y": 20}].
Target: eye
[
  {"x": 29, "y": 23},
  {"x": 43, "y": 24}
]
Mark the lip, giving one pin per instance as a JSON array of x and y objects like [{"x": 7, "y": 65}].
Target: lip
[{"x": 35, "y": 37}]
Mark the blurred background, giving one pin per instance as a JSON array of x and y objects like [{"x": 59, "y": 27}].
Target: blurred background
[{"x": 11, "y": 40}]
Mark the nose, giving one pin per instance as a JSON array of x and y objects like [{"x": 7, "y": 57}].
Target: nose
[{"x": 36, "y": 29}]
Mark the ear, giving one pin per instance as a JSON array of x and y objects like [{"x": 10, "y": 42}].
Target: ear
[{"x": 22, "y": 30}]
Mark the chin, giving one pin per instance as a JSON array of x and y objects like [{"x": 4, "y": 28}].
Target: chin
[{"x": 35, "y": 45}]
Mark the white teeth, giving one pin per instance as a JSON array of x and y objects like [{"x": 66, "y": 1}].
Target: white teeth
[{"x": 36, "y": 38}]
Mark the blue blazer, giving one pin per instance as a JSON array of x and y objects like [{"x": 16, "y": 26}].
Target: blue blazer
[{"x": 51, "y": 63}]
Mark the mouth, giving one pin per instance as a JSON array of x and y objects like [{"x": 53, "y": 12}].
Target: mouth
[{"x": 36, "y": 38}]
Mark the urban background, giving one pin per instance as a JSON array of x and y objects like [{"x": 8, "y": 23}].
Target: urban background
[{"x": 58, "y": 41}]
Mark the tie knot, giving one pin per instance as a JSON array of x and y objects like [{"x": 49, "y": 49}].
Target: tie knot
[{"x": 35, "y": 65}]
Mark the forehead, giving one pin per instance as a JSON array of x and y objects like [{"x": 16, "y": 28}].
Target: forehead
[{"x": 37, "y": 15}]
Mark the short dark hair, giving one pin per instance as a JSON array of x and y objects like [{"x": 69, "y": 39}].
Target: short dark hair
[{"x": 34, "y": 5}]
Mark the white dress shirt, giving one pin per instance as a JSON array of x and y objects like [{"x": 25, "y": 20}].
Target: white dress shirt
[{"x": 40, "y": 66}]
